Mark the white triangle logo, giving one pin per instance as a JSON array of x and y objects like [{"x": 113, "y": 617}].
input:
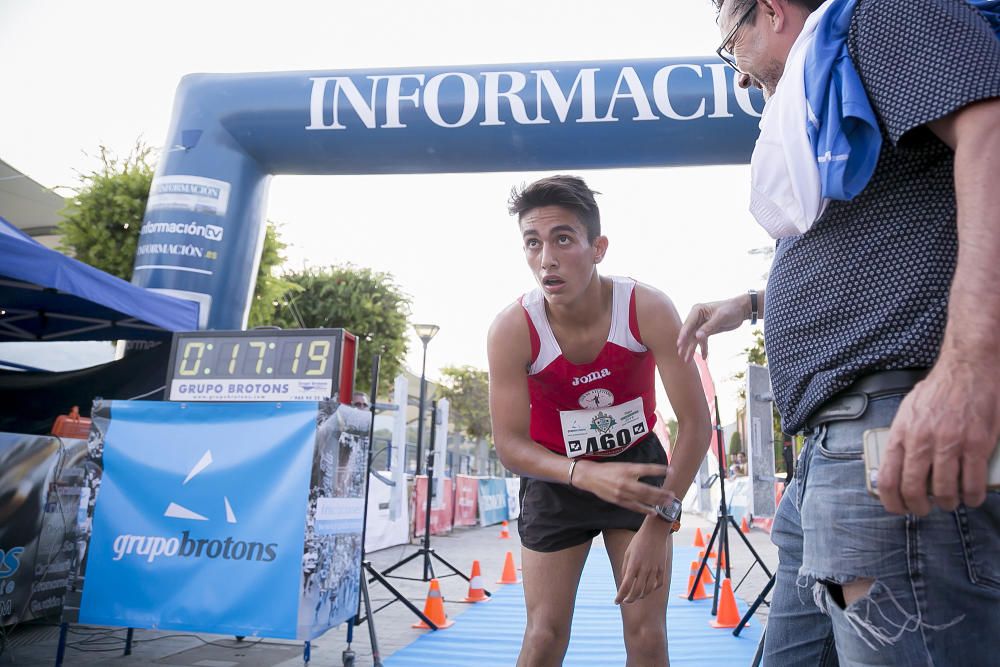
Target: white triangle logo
[
  {"x": 230, "y": 517},
  {"x": 204, "y": 462},
  {"x": 176, "y": 511}
]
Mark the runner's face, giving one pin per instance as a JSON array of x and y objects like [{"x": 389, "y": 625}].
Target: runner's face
[{"x": 561, "y": 258}]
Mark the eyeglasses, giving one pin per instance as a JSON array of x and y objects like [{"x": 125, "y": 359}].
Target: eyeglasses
[{"x": 723, "y": 50}]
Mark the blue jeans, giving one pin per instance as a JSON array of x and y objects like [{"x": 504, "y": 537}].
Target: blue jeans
[{"x": 935, "y": 599}]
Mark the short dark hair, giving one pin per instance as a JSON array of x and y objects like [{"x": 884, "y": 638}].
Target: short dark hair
[
  {"x": 568, "y": 192},
  {"x": 740, "y": 6}
]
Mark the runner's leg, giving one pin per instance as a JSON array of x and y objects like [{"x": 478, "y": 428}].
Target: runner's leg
[
  {"x": 550, "y": 583},
  {"x": 644, "y": 621}
]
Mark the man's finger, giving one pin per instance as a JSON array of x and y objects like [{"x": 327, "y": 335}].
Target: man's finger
[
  {"x": 913, "y": 481},
  {"x": 973, "y": 480},
  {"x": 889, "y": 475},
  {"x": 685, "y": 337},
  {"x": 945, "y": 479}
]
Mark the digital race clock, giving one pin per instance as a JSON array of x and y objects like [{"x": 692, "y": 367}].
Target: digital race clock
[{"x": 261, "y": 365}]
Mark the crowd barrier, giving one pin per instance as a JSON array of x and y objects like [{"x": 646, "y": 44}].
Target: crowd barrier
[{"x": 467, "y": 500}]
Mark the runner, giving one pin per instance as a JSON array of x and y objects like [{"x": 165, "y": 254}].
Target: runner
[{"x": 572, "y": 401}]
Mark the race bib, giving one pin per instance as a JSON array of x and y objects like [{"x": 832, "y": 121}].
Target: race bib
[{"x": 603, "y": 431}]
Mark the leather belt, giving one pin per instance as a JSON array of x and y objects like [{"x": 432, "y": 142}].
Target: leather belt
[{"x": 852, "y": 402}]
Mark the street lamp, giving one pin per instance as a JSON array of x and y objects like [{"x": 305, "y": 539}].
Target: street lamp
[{"x": 425, "y": 332}]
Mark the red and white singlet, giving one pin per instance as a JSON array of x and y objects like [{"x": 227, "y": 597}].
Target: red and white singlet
[{"x": 597, "y": 409}]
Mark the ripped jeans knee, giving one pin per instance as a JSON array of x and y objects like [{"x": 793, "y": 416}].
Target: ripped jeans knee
[{"x": 879, "y": 618}]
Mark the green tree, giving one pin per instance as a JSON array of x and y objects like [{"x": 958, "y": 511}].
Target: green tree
[
  {"x": 270, "y": 289},
  {"x": 101, "y": 224},
  {"x": 735, "y": 444},
  {"x": 367, "y": 303},
  {"x": 672, "y": 430},
  {"x": 468, "y": 392}
]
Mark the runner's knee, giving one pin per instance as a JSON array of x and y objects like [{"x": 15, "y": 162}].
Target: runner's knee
[
  {"x": 547, "y": 636},
  {"x": 646, "y": 638},
  {"x": 855, "y": 590}
]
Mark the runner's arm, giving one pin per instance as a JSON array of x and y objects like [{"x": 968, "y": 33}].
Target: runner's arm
[
  {"x": 659, "y": 325},
  {"x": 509, "y": 352}
]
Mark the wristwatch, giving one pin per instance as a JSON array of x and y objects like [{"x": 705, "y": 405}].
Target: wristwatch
[{"x": 670, "y": 513}]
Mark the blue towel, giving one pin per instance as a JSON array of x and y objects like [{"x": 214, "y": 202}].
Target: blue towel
[
  {"x": 842, "y": 126},
  {"x": 990, "y": 9}
]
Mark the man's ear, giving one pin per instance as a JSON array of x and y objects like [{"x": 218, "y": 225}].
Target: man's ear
[
  {"x": 600, "y": 248},
  {"x": 776, "y": 13}
]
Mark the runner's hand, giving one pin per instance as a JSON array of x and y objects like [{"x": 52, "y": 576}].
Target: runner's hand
[
  {"x": 645, "y": 564},
  {"x": 619, "y": 483},
  {"x": 945, "y": 430},
  {"x": 706, "y": 319}
]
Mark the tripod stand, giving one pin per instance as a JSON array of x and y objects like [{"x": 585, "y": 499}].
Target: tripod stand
[
  {"x": 425, "y": 551},
  {"x": 367, "y": 569},
  {"x": 721, "y": 533}
]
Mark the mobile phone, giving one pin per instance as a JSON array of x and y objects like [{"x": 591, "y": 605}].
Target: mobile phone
[{"x": 877, "y": 439}]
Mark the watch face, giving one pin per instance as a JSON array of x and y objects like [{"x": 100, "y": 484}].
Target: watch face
[{"x": 671, "y": 512}]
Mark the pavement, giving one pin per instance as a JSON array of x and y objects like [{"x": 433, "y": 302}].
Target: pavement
[{"x": 34, "y": 644}]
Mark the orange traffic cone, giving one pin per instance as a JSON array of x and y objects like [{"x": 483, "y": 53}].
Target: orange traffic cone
[
  {"x": 434, "y": 609},
  {"x": 699, "y": 541},
  {"x": 722, "y": 561},
  {"x": 706, "y": 575},
  {"x": 504, "y": 533},
  {"x": 744, "y": 526},
  {"x": 476, "y": 591},
  {"x": 728, "y": 616},
  {"x": 699, "y": 589},
  {"x": 509, "y": 571}
]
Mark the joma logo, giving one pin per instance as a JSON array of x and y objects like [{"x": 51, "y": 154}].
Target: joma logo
[{"x": 590, "y": 377}]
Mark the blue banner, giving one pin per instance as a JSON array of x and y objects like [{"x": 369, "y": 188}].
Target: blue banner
[
  {"x": 202, "y": 232},
  {"x": 201, "y": 517},
  {"x": 492, "y": 501}
]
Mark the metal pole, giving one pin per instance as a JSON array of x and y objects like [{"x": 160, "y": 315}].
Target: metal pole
[
  {"x": 420, "y": 416},
  {"x": 428, "y": 568}
]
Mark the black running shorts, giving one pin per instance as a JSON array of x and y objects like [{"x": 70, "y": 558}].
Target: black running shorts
[{"x": 557, "y": 516}]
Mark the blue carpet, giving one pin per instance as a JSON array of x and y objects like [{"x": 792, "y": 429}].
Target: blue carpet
[{"x": 489, "y": 634}]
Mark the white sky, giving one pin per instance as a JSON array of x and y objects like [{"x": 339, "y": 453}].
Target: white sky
[{"x": 81, "y": 74}]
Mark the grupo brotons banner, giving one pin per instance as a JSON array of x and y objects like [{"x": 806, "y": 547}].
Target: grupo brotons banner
[{"x": 231, "y": 518}]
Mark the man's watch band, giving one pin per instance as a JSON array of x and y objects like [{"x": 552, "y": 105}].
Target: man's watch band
[{"x": 754, "y": 310}]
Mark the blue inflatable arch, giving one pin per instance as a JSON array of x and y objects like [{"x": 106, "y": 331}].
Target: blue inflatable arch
[{"x": 203, "y": 229}]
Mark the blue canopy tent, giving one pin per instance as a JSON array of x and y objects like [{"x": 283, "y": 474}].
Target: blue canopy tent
[{"x": 45, "y": 295}]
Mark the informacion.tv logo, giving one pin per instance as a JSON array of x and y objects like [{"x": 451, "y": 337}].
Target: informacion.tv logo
[
  {"x": 9, "y": 562},
  {"x": 186, "y": 546}
]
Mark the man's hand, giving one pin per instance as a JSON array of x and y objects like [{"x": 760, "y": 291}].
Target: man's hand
[
  {"x": 644, "y": 568},
  {"x": 619, "y": 483},
  {"x": 947, "y": 427},
  {"x": 706, "y": 319}
]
